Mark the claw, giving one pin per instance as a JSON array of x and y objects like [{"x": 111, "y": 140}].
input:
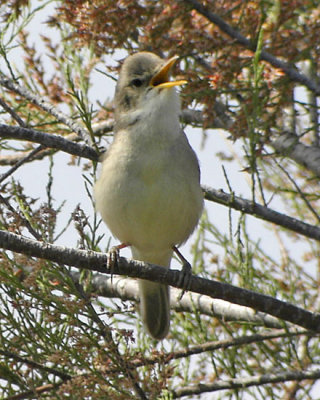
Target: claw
[
  {"x": 185, "y": 278},
  {"x": 186, "y": 273},
  {"x": 113, "y": 257}
]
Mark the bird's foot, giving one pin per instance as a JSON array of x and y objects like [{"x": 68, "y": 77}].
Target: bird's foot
[
  {"x": 186, "y": 273},
  {"x": 185, "y": 278},
  {"x": 113, "y": 257}
]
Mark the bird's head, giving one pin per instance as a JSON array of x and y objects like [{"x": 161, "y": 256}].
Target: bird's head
[{"x": 142, "y": 77}]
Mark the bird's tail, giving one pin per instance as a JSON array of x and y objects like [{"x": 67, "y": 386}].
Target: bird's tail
[{"x": 154, "y": 298}]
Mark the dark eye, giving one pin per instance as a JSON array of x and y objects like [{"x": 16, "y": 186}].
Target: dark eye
[{"x": 136, "y": 82}]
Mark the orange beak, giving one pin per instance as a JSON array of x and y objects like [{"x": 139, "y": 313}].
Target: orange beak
[{"x": 161, "y": 78}]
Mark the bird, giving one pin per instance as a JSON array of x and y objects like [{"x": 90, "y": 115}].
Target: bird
[{"x": 149, "y": 192}]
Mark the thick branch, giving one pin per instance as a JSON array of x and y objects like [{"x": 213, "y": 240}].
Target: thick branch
[
  {"x": 94, "y": 261},
  {"x": 290, "y": 70}
]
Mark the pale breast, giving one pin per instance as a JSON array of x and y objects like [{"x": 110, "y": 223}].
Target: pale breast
[{"x": 150, "y": 201}]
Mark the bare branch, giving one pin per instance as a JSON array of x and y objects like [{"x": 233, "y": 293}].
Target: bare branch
[
  {"x": 239, "y": 341},
  {"x": 290, "y": 70},
  {"x": 46, "y": 106},
  {"x": 127, "y": 289},
  {"x": 48, "y": 140},
  {"x": 11, "y": 159},
  {"x": 213, "y": 346},
  {"x": 287, "y": 144},
  {"x": 94, "y": 261},
  {"x": 262, "y": 212},
  {"x": 308, "y": 156},
  {"x": 240, "y": 383}
]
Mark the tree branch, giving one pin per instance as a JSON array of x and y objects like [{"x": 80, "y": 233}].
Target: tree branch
[
  {"x": 155, "y": 358},
  {"x": 48, "y": 140},
  {"x": 11, "y": 159},
  {"x": 290, "y": 70},
  {"x": 94, "y": 261},
  {"x": 240, "y": 383},
  {"x": 38, "y": 390},
  {"x": 127, "y": 289},
  {"x": 211, "y": 346},
  {"x": 34, "y": 364},
  {"x": 262, "y": 212},
  {"x": 46, "y": 106},
  {"x": 287, "y": 143},
  {"x": 308, "y": 156}
]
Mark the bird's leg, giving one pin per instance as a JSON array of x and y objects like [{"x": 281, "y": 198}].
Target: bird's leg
[
  {"x": 113, "y": 257},
  {"x": 186, "y": 272}
]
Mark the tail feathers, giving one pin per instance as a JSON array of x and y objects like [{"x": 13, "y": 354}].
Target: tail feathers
[
  {"x": 155, "y": 308},
  {"x": 154, "y": 297}
]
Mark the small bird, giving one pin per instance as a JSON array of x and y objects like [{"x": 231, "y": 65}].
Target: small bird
[{"x": 149, "y": 192}]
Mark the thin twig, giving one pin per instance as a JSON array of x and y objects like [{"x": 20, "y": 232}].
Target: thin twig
[
  {"x": 24, "y": 220},
  {"x": 13, "y": 114},
  {"x": 212, "y": 346},
  {"x": 242, "y": 340},
  {"x": 38, "y": 390},
  {"x": 302, "y": 195},
  {"x": 23, "y": 160}
]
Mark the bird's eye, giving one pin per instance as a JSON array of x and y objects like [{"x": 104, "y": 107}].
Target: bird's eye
[{"x": 136, "y": 82}]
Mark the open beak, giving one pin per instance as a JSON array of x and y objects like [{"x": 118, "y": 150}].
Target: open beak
[{"x": 161, "y": 78}]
